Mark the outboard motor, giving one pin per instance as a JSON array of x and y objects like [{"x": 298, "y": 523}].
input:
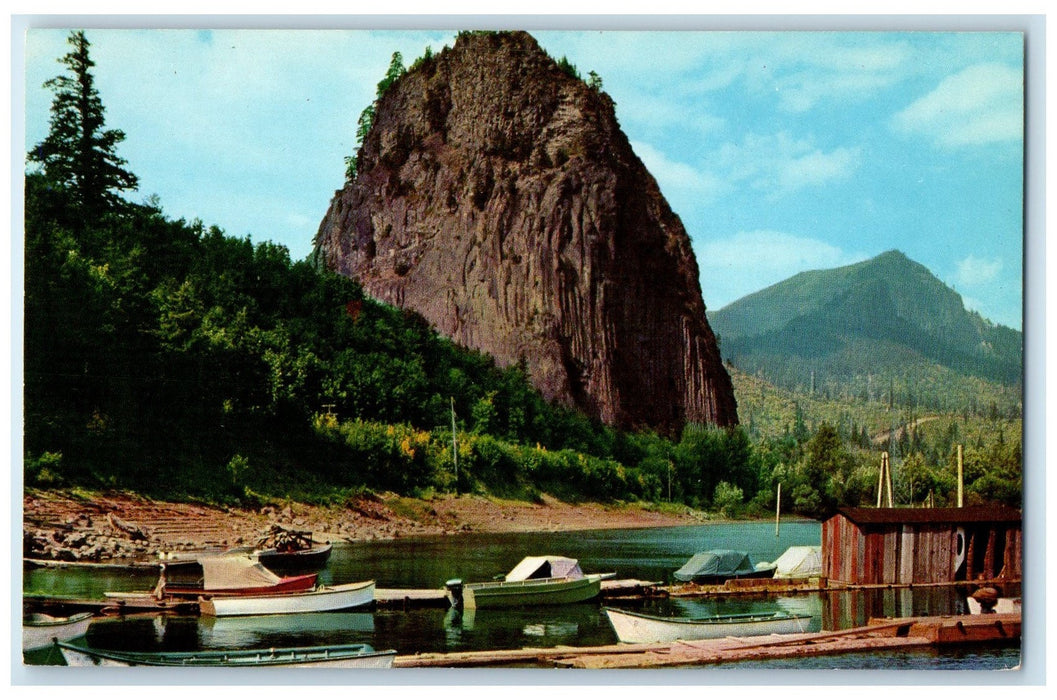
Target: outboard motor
[{"x": 454, "y": 587}]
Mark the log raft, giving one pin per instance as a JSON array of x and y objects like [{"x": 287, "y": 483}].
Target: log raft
[{"x": 877, "y": 635}]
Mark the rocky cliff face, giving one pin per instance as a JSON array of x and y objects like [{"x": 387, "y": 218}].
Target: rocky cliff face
[{"x": 497, "y": 196}]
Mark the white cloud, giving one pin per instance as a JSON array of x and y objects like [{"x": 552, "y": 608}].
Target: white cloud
[
  {"x": 974, "y": 271},
  {"x": 750, "y": 261},
  {"x": 982, "y": 104},
  {"x": 677, "y": 179},
  {"x": 780, "y": 165}
]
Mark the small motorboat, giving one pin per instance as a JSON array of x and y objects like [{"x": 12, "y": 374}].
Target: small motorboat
[
  {"x": 721, "y": 565},
  {"x": 292, "y": 551},
  {"x": 543, "y": 580}
]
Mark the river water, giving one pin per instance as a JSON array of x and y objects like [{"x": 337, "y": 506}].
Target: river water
[{"x": 650, "y": 554}]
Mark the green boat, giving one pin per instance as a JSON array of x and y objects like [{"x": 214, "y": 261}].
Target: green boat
[
  {"x": 78, "y": 653},
  {"x": 544, "y": 580}
]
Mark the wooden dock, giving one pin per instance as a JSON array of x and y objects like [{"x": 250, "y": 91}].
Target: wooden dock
[
  {"x": 879, "y": 634},
  {"x": 408, "y": 598},
  {"x": 133, "y": 604}
]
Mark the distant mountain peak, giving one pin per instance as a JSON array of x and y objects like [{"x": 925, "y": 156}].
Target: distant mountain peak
[{"x": 885, "y": 312}]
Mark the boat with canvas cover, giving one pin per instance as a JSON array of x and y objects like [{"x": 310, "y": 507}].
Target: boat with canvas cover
[
  {"x": 40, "y": 630},
  {"x": 539, "y": 580},
  {"x": 77, "y": 653},
  {"x": 721, "y": 565},
  {"x": 638, "y": 628},
  {"x": 231, "y": 575},
  {"x": 320, "y": 599},
  {"x": 799, "y": 562}
]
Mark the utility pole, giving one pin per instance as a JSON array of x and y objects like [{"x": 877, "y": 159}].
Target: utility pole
[
  {"x": 884, "y": 480},
  {"x": 961, "y": 479},
  {"x": 778, "y": 510},
  {"x": 669, "y": 481}
]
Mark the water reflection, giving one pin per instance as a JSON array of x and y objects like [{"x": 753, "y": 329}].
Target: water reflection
[
  {"x": 843, "y": 609},
  {"x": 648, "y": 554},
  {"x": 581, "y": 624}
]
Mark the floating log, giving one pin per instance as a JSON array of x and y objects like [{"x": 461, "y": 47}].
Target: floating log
[
  {"x": 30, "y": 563},
  {"x": 879, "y": 634},
  {"x": 110, "y": 606}
]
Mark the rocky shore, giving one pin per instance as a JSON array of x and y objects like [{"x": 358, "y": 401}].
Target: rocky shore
[{"x": 102, "y": 527}]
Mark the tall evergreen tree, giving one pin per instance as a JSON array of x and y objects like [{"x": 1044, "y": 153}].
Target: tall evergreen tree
[{"x": 79, "y": 154}]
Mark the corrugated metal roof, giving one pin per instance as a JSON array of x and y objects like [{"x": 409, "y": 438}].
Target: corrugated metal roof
[{"x": 956, "y": 516}]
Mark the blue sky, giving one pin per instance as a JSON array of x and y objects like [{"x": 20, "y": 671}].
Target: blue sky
[{"x": 780, "y": 151}]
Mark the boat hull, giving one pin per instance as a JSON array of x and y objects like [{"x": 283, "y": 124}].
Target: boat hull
[
  {"x": 42, "y": 632},
  {"x": 723, "y": 578},
  {"x": 292, "y": 584},
  {"x": 341, "y": 656},
  {"x": 325, "y": 599},
  {"x": 549, "y": 591},
  {"x": 312, "y": 559},
  {"x": 636, "y": 628}
]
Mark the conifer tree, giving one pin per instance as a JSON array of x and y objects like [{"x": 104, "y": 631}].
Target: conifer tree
[{"x": 79, "y": 154}]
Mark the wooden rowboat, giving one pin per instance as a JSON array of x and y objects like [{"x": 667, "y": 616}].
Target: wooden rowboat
[
  {"x": 637, "y": 628},
  {"x": 40, "y": 631},
  {"x": 322, "y": 599},
  {"x": 333, "y": 656}
]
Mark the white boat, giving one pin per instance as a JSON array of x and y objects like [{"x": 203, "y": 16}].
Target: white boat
[
  {"x": 322, "y": 599},
  {"x": 637, "y": 628},
  {"x": 332, "y": 656},
  {"x": 799, "y": 562},
  {"x": 40, "y": 630},
  {"x": 545, "y": 580}
]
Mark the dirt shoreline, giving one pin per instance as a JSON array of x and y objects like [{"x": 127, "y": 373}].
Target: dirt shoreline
[{"x": 117, "y": 526}]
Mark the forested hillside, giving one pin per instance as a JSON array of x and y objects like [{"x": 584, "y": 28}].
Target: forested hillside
[{"x": 882, "y": 330}]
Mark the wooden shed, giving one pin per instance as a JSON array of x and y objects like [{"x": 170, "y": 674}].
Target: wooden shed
[{"x": 922, "y": 545}]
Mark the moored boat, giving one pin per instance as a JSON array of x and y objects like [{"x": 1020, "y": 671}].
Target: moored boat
[
  {"x": 799, "y": 562},
  {"x": 544, "y": 580},
  {"x": 312, "y": 558},
  {"x": 322, "y": 599},
  {"x": 638, "y": 628},
  {"x": 292, "y": 551},
  {"x": 331, "y": 656},
  {"x": 40, "y": 631},
  {"x": 228, "y": 575},
  {"x": 721, "y": 565}
]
